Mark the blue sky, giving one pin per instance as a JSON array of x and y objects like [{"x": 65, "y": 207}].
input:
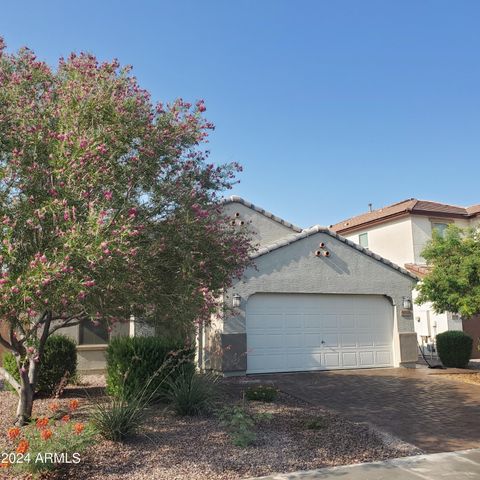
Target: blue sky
[{"x": 328, "y": 105}]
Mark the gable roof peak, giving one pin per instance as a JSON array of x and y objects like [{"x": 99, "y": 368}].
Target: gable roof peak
[{"x": 237, "y": 199}]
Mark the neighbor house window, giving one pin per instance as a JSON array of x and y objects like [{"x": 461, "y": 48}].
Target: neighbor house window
[
  {"x": 439, "y": 228},
  {"x": 91, "y": 334},
  {"x": 363, "y": 240}
]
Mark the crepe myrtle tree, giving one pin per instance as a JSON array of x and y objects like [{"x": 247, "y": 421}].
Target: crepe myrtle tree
[
  {"x": 453, "y": 282},
  {"x": 108, "y": 207}
]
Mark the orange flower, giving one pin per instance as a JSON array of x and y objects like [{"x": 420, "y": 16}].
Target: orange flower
[
  {"x": 13, "y": 433},
  {"x": 73, "y": 404},
  {"x": 5, "y": 464},
  {"x": 46, "y": 434},
  {"x": 54, "y": 406},
  {"x": 78, "y": 428},
  {"x": 23, "y": 446},
  {"x": 66, "y": 418},
  {"x": 42, "y": 422}
]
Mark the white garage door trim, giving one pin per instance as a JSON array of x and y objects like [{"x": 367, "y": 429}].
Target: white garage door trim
[{"x": 300, "y": 332}]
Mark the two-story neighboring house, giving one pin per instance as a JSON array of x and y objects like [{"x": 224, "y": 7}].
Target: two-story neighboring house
[{"x": 399, "y": 232}]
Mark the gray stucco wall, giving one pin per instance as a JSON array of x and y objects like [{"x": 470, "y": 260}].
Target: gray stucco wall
[
  {"x": 296, "y": 269},
  {"x": 264, "y": 230}
]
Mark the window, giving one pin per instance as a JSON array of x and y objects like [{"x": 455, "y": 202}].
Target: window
[
  {"x": 439, "y": 228},
  {"x": 91, "y": 334},
  {"x": 363, "y": 240}
]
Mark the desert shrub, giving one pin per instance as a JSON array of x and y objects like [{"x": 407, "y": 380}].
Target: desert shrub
[
  {"x": 316, "y": 423},
  {"x": 454, "y": 348},
  {"x": 262, "y": 393},
  {"x": 240, "y": 425},
  {"x": 59, "y": 361},
  {"x": 45, "y": 443},
  {"x": 192, "y": 393},
  {"x": 122, "y": 416},
  {"x": 133, "y": 361}
]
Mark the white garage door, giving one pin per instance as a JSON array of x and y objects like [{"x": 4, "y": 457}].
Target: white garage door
[{"x": 295, "y": 332}]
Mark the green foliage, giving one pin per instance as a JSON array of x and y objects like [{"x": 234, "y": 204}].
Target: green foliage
[
  {"x": 316, "y": 423},
  {"x": 59, "y": 359},
  {"x": 453, "y": 284},
  {"x": 191, "y": 393},
  {"x": 261, "y": 393},
  {"x": 64, "y": 442},
  {"x": 240, "y": 425},
  {"x": 121, "y": 417},
  {"x": 134, "y": 361},
  {"x": 10, "y": 365},
  {"x": 454, "y": 348}
]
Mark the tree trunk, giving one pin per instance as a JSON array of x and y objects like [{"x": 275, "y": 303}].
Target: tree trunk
[
  {"x": 25, "y": 401},
  {"x": 28, "y": 378}
]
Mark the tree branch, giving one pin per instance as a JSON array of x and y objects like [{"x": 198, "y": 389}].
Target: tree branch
[
  {"x": 5, "y": 344},
  {"x": 68, "y": 323},
  {"x": 10, "y": 379}
]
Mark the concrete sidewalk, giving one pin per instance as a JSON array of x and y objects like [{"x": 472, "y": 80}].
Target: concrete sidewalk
[{"x": 464, "y": 465}]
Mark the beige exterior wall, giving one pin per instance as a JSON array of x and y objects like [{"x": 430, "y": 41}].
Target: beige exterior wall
[
  {"x": 391, "y": 240},
  {"x": 402, "y": 241},
  {"x": 422, "y": 233}
]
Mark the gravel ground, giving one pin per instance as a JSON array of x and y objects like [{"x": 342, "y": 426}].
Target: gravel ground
[
  {"x": 473, "y": 378},
  {"x": 177, "y": 448}
]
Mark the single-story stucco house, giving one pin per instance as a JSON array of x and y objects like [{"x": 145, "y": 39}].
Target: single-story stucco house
[{"x": 313, "y": 301}]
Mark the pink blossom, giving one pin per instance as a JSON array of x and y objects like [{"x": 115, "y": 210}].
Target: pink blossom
[{"x": 108, "y": 195}]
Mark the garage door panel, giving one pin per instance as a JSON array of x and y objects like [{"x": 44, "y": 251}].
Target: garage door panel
[
  {"x": 330, "y": 321},
  {"x": 366, "y": 358},
  {"x": 265, "y": 322},
  {"x": 294, "y": 341},
  {"x": 348, "y": 340},
  {"x": 347, "y": 321},
  {"x": 330, "y": 339},
  {"x": 312, "y": 340},
  {"x": 312, "y": 321},
  {"x": 332, "y": 360},
  {"x": 349, "y": 359},
  {"x": 365, "y": 340},
  {"x": 384, "y": 357},
  {"x": 294, "y": 321},
  {"x": 267, "y": 341},
  {"x": 285, "y": 332},
  {"x": 382, "y": 339},
  {"x": 364, "y": 321},
  {"x": 303, "y": 361}
]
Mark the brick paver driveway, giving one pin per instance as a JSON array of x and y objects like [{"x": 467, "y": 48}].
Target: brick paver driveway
[{"x": 436, "y": 414}]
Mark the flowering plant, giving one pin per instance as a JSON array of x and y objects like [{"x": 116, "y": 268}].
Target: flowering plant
[
  {"x": 47, "y": 442},
  {"x": 108, "y": 207}
]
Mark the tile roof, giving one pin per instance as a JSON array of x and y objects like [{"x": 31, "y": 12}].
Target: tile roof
[
  {"x": 418, "y": 270},
  {"x": 236, "y": 199},
  {"x": 319, "y": 229},
  {"x": 409, "y": 206}
]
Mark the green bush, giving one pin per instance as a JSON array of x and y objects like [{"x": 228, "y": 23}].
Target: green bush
[
  {"x": 316, "y": 423},
  {"x": 191, "y": 393},
  {"x": 59, "y": 359},
  {"x": 261, "y": 393},
  {"x": 454, "y": 348},
  {"x": 133, "y": 361},
  {"x": 240, "y": 425}
]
